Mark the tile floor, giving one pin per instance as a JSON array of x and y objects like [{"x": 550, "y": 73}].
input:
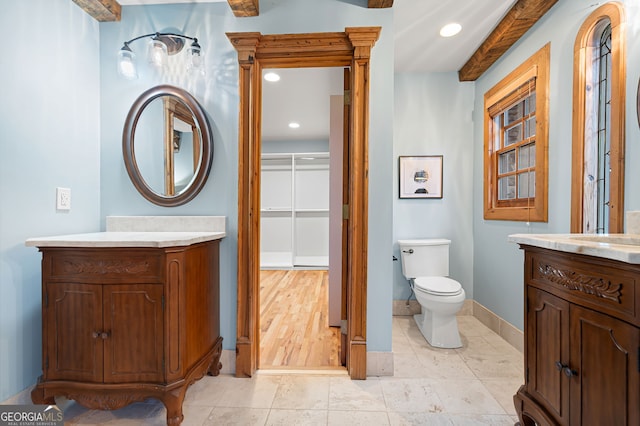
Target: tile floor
[{"x": 473, "y": 385}]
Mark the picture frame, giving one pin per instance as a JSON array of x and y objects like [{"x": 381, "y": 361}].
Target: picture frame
[
  {"x": 177, "y": 140},
  {"x": 420, "y": 176}
]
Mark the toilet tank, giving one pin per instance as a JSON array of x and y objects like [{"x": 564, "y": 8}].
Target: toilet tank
[{"x": 424, "y": 257}]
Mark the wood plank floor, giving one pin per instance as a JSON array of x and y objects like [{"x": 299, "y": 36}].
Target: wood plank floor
[{"x": 294, "y": 328}]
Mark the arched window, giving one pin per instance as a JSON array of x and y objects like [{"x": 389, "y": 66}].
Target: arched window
[{"x": 597, "y": 194}]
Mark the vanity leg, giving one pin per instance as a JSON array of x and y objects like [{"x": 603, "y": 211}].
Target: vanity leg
[
  {"x": 173, "y": 403},
  {"x": 38, "y": 396},
  {"x": 518, "y": 402},
  {"x": 216, "y": 365}
]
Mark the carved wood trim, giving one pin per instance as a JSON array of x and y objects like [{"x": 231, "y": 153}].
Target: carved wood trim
[
  {"x": 101, "y": 10},
  {"x": 522, "y": 16},
  {"x": 255, "y": 52},
  {"x": 114, "y": 396},
  {"x": 596, "y": 286},
  {"x": 115, "y": 266}
]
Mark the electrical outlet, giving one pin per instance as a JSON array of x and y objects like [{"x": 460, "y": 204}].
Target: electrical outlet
[{"x": 63, "y": 198}]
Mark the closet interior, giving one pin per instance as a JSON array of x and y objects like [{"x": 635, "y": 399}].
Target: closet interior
[{"x": 294, "y": 214}]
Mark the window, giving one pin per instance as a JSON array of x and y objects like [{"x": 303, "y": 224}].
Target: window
[
  {"x": 597, "y": 193},
  {"x": 515, "y": 162}
]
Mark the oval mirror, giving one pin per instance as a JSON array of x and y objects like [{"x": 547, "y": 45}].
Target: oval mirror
[
  {"x": 638, "y": 102},
  {"x": 167, "y": 145}
]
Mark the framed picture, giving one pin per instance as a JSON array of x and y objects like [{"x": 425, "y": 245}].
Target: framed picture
[{"x": 421, "y": 176}]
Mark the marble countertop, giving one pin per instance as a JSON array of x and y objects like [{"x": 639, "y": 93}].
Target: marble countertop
[
  {"x": 143, "y": 231},
  {"x": 125, "y": 239},
  {"x": 622, "y": 247}
]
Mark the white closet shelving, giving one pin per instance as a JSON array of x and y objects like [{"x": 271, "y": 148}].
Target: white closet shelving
[{"x": 294, "y": 214}]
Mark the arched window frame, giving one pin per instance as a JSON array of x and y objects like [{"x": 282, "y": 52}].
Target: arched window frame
[{"x": 582, "y": 61}]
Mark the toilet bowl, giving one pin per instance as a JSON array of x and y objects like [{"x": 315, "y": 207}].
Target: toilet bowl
[
  {"x": 437, "y": 321},
  {"x": 425, "y": 263}
]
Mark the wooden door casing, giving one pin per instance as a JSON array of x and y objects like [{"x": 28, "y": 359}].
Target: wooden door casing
[
  {"x": 346, "y": 120},
  {"x": 350, "y": 48}
]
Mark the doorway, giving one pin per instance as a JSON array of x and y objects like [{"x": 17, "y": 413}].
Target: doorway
[
  {"x": 301, "y": 189},
  {"x": 351, "y": 48}
]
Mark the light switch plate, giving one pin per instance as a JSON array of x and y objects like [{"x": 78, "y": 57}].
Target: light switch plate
[{"x": 63, "y": 198}]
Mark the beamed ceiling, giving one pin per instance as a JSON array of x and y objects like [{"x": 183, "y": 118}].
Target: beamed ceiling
[{"x": 522, "y": 16}]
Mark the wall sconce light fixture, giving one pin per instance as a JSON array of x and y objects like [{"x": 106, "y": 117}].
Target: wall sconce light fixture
[{"x": 159, "y": 48}]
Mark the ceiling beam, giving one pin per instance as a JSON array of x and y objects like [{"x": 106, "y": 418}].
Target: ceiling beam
[
  {"x": 244, "y": 8},
  {"x": 522, "y": 16},
  {"x": 101, "y": 10},
  {"x": 380, "y": 4}
]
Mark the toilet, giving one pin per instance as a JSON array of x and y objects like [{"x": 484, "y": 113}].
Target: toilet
[{"x": 425, "y": 263}]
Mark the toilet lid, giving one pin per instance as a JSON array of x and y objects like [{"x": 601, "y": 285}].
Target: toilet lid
[{"x": 438, "y": 285}]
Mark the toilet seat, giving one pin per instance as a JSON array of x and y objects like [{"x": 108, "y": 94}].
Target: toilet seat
[{"x": 440, "y": 286}]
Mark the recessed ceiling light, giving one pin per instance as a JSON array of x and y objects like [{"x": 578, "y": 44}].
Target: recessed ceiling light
[
  {"x": 294, "y": 125},
  {"x": 271, "y": 76},
  {"x": 450, "y": 30}
]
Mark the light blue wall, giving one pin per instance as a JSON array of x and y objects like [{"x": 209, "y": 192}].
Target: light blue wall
[
  {"x": 65, "y": 106},
  {"x": 50, "y": 119},
  {"x": 218, "y": 93},
  {"x": 433, "y": 117},
  {"x": 497, "y": 263}
]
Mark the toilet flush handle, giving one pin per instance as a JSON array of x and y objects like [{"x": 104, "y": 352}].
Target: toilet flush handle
[{"x": 410, "y": 251}]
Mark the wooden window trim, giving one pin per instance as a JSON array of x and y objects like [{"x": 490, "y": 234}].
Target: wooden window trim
[
  {"x": 537, "y": 66},
  {"x": 614, "y": 12}
]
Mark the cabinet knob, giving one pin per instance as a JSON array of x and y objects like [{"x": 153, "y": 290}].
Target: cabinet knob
[
  {"x": 95, "y": 334},
  {"x": 565, "y": 368},
  {"x": 104, "y": 335}
]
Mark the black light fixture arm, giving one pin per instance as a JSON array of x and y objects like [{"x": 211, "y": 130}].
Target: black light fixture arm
[
  {"x": 126, "y": 43},
  {"x": 162, "y": 45}
]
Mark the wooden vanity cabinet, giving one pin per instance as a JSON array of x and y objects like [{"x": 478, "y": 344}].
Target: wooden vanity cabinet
[
  {"x": 125, "y": 324},
  {"x": 582, "y": 341}
]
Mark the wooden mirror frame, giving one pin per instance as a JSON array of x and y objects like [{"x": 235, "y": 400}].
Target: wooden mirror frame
[
  {"x": 128, "y": 141},
  {"x": 638, "y": 102},
  {"x": 351, "y": 48}
]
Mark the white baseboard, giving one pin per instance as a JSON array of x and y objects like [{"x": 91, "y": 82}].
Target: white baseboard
[
  {"x": 228, "y": 360},
  {"x": 504, "y": 329},
  {"x": 379, "y": 363}
]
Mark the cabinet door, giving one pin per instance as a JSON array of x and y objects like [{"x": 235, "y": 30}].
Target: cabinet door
[
  {"x": 133, "y": 323},
  {"x": 604, "y": 356},
  {"x": 548, "y": 352},
  {"x": 73, "y": 320}
]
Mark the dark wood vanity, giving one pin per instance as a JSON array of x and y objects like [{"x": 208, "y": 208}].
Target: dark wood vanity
[
  {"x": 582, "y": 340},
  {"x": 123, "y": 324}
]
